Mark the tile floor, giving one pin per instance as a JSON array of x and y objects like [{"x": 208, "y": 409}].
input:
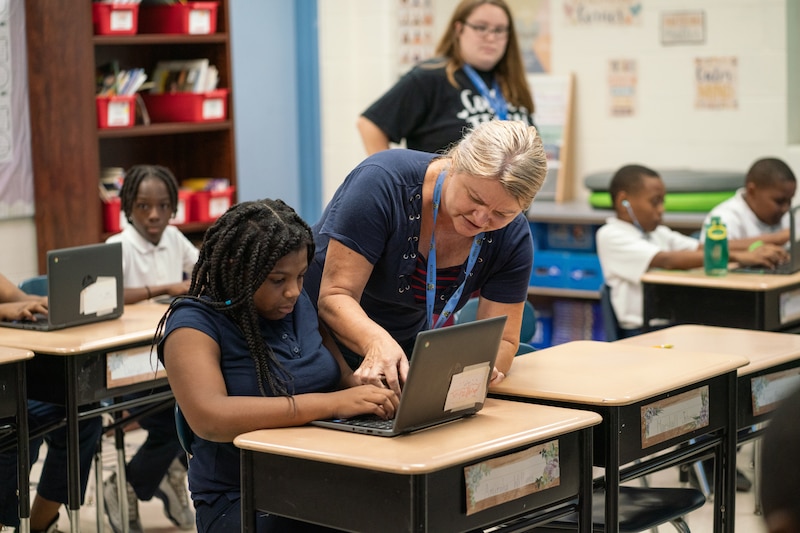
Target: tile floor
[{"x": 154, "y": 521}]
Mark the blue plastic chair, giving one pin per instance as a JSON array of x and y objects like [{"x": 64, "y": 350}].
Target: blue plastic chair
[
  {"x": 469, "y": 312},
  {"x": 185, "y": 433},
  {"x": 36, "y": 285}
]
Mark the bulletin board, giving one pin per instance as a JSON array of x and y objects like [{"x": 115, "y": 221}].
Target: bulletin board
[{"x": 553, "y": 98}]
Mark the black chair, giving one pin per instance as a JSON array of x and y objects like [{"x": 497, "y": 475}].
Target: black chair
[
  {"x": 640, "y": 509},
  {"x": 611, "y": 327}
]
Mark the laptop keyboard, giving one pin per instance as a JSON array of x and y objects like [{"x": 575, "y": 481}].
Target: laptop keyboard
[{"x": 370, "y": 422}]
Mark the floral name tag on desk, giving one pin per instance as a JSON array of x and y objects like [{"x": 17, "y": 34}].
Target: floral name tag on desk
[
  {"x": 503, "y": 479},
  {"x": 674, "y": 416}
]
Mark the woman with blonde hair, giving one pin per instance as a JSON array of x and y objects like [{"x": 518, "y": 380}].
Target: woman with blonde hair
[
  {"x": 410, "y": 236},
  {"x": 478, "y": 75}
]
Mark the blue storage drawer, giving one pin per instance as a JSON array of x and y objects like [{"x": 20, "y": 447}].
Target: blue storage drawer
[
  {"x": 584, "y": 272},
  {"x": 550, "y": 269}
]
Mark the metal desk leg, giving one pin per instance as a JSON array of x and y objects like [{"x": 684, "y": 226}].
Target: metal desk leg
[
  {"x": 612, "y": 471},
  {"x": 23, "y": 451},
  {"x": 586, "y": 485},
  {"x": 248, "y": 498},
  {"x": 98, "y": 483},
  {"x": 122, "y": 478},
  {"x": 73, "y": 443}
]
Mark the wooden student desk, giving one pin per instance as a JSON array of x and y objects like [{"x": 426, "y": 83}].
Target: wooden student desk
[
  {"x": 78, "y": 367},
  {"x": 774, "y": 367},
  {"x": 14, "y": 404},
  {"x": 768, "y": 302},
  {"x": 650, "y": 400},
  {"x": 421, "y": 481}
]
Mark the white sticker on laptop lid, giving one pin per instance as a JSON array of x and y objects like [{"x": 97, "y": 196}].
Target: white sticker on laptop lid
[
  {"x": 468, "y": 387},
  {"x": 99, "y": 298}
]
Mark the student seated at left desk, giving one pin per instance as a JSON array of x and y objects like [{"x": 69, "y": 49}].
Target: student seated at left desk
[
  {"x": 245, "y": 351},
  {"x": 156, "y": 257},
  {"x": 52, "y": 490},
  {"x": 16, "y": 305}
]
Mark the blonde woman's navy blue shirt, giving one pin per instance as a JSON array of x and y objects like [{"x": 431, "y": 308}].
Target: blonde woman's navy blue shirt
[
  {"x": 376, "y": 212},
  {"x": 297, "y": 344}
]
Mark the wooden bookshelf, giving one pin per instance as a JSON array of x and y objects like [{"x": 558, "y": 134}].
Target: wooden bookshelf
[{"x": 68, "y": 148}]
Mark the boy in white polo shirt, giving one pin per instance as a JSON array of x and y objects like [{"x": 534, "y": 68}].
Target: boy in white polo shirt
[
  {"x": 759, "y": 210},
  {"x": 634, "y": 241},
  {"x": 156, "y": 257}
]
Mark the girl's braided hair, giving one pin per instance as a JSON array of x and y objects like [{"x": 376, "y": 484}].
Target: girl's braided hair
[{"x": 238, "y": 253}]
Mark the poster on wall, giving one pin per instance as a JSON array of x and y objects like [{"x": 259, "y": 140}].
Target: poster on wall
[
  {"x": 532, "y": 25},
  {"x": 603, "y": 12},
  {"x": 683, "y": 27},
  {"x": 16, "y": 168},
  {"x": 716, "y": 83},
  {"x": 415, "y": 32},
  {"x": 622, "y": 87}
]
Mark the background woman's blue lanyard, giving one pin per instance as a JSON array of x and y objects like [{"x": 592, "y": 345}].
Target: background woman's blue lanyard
[
  {"x": 430, "y": 285},
  {"x": 493, "y": 96}
]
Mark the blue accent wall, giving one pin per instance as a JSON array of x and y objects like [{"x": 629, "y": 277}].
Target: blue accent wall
[{"x": 263, "y": 50}]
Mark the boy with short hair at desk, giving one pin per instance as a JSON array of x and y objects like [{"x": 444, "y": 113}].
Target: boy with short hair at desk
[
  {"x": 758, "y": 212},
  {"x": 51, "y": 491},
  {"x": 634, "y": 241},
  {"x": 156, "y": 257}
]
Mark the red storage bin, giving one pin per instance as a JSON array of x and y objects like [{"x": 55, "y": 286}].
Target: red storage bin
[
  {"x": 116, "y": 111},
  {"x": 112, "y": 213},
  {"x": 207, "y": 206},
  {"x": 184, "y": 212},
  {"x": 188, "y": 107},
  {"x": 115, "y": 19},
  {"x": 195, "y": 18}
]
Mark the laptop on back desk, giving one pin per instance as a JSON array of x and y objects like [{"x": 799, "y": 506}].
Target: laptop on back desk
[
  {"x": 448, "y": 379},
  {"x": 84, "y": 285},
  {"x": 791, "y": 266}
]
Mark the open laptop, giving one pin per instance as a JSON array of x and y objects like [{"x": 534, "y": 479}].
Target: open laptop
[
  {"x": 448, "y": 379},
  {"x": 84, "y": 285},
  {"x": 793, "y": 264}
]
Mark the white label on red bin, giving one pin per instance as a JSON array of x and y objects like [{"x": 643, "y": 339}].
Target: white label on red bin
[
  {"x": 218, "y": 206},
  {"x": 199, "y": 21},
  {"x": 213, "y": 108},
  {"x": 121, "y": 20},
  {"x": 119, "y": 113},
  {"x": 180, "y": 213}
]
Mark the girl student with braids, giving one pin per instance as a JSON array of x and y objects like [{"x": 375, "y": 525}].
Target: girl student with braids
[
  {"x": 244, "y": 351},
  {"x": 156, "y": 257}
]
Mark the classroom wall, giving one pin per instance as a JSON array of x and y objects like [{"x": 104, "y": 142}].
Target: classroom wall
[
  {"x": 358, "y": 63},
  {"x": 667, "y": 130}
]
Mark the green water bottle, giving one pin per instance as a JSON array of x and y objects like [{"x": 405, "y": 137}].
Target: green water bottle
[{"x": 715, "y": 259}]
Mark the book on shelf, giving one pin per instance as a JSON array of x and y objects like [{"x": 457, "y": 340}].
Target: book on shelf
[
  {"x": 111, "y": 81},
  {"x": 188, "y": 75}
]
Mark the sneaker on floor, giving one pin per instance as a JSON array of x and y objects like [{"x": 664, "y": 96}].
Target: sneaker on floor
[
  {"x": 172, "y": 491},
  {"x": 113, "y": 511},
  {"x": 742, "y": 483}
]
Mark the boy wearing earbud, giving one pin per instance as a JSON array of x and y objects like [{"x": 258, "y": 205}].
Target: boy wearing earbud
[{"x": 635, "y": 241}]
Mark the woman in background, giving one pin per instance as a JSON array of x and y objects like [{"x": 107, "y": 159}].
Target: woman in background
[{"x": 477, "y": 76}]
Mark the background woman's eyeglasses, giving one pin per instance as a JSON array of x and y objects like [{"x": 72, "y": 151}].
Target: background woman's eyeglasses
[{"x": 483, "y": 30}]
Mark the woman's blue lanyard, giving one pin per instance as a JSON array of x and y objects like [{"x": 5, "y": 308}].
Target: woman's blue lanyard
[
  {"x": 430, "y": 285},
  {"x": 494, "y": 97}
]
